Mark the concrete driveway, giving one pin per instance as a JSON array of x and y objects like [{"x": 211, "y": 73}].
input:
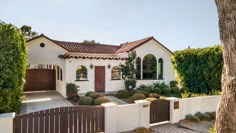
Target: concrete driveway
[{"x": 36, "y": 101}]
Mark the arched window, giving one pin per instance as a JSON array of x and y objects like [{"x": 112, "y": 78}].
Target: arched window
[
  {"x": 81, "y": 73},
  {"x": 160, "y": 68},
  {"x": 138, "y": 68},
  {"x": 115, "y": 73},
  {"x": 149, "y": 67}
]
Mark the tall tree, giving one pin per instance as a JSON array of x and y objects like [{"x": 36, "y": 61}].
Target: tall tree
[
  {"x": 27, "y": 32},
  {"x": 226, "y": 111}
]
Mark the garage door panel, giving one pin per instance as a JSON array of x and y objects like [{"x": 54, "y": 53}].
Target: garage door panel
[{"x": 40, "y": 80}]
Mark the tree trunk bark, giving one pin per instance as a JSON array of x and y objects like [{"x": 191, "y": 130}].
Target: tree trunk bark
[{"x": 226, "y": 111}]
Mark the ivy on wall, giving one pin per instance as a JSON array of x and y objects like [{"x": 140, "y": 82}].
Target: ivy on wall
[{"x": 199, "y": 69}]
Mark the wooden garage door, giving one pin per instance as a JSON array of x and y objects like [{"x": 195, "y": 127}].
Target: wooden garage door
[{"x": 40, "y": 80}]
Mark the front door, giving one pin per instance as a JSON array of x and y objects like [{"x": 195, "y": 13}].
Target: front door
[{"x": 99, "y": 78}]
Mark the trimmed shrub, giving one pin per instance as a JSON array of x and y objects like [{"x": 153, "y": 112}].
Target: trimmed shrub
[
  {"x": 175, "y": 90},
  {"x": 138, "y": 96},
  {"x": 202, "y": 116},
  {"x": 212, "y": 115},
  {"x": 95, "y": 95},
  {"x": 154, "y": 95},
  {"x": 76, "y": 98},
  {"x": 160, "y": 85},
  {"x": 192, "y": 118},
  {"x": 130, "y": 84},
  {"x": 184, "y": 89},
  {"x": 166, "y": 90},
  {"x": 142, "y": 92},
  {"x": 157, "y": 90},
  {"x": 173, "y": 84},
  {"x": 199, "y": 69},
  {"x": 88, "y": 93},
  {"x": 150, "y": 99},
  {"x": 123, "y": 94},
  {"x": 13, "y": 56},
  {"x": 71, "y": 90},
  {"x": 84, "y": 100},
  {"x": 100, "y": 100}
]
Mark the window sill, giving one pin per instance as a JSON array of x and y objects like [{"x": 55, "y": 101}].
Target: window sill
[
  {"x": 115, "y": 79},
  {"x": 81, "y": 80}
]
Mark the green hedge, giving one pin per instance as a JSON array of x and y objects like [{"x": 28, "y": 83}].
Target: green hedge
[
  {"x": 12, "y": 67},
  {"x": 199, "y": 69}
]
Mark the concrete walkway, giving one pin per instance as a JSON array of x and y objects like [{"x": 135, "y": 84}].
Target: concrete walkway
[
  {"x": 115, "y": 100},
  {"x": 36, "y": 101},
  {"x": 170, "y": 128},
  {"x": 202, "y": 127}
]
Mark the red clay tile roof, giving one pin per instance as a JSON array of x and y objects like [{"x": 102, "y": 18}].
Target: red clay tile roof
[
  {"x": 93, "y": 56},
  {"x": 88, "y": 48},
  {"x": 100, "y": 48},
  {"x": 132, "y": 45}
]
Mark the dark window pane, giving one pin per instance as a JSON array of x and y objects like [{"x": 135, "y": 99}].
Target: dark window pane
[
  {"x": 149, "y": 67},
  {"x": 138, "y": 68}
]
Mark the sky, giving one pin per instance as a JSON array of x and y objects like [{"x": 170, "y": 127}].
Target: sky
[{"x": 177, "y": 24}]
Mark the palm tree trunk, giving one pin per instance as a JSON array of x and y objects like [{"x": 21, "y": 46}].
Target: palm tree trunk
[{"x": 226, "y": 111}]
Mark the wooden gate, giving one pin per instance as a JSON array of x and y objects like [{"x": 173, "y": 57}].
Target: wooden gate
[
  {"x": 159, "y": 111},
  {"x": 73, "y": 119},
  {"x": 40, "y": 80}
]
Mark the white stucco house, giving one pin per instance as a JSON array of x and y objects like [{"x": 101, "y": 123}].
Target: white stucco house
[{"x": 93, "y": 67}]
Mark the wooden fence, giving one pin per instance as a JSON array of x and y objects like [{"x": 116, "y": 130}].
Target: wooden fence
[
  {"x": 159, "y": 111},
  {"x": 73, "y": 119}
]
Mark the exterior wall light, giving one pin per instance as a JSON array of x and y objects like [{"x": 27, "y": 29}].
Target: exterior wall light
[
  {"x": 109, "y": 66},
  {"x": 91, "y": 66}
]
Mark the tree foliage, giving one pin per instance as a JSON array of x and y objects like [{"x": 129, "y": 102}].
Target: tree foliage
[
  {"x": 27, "y": 32},
  {"x": 128, "y": 71},
  {"x": 90, "y": 42},
  {"x": 13, "y": 56},
  {"x": 199, "y": 69}
]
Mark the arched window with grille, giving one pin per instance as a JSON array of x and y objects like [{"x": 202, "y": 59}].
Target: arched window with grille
[
  {"x": 138, "y": 68},
  {"x": 115, "y": 73},
  {"x": 149, "y": 67},
  {"x": 160, "y": 68},
  {"x": 81, "y": 73}
]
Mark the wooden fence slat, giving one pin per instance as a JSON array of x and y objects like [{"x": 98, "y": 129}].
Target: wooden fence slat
[
  {"x": 36, "y": 123},
  {"x": 47, "y": 121},
  {"x": 30, "y": 123},
  {"x": 57, "y": 126},
  {"x": 41, "y": 121},
  {"x": 71, "y": 124},
  {"x": 92, "y": 121},
  {"x": 84, "y": 121},
  {"x": 80, "y": 121},
  {"x": 75, "y": 120},
  {"x": 51, "y": 114},
  {"x": 62, "y": 117},
  {"x": 66, "y": 120}
]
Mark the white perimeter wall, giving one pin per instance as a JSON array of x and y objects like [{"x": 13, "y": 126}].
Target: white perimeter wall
[{"x": 192, "y": 106}]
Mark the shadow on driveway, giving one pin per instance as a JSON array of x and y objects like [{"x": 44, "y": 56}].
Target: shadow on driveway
[{"x": 36, "y": 101}]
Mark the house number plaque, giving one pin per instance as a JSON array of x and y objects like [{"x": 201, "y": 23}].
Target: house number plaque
[{"x": 145, "y": 106}]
